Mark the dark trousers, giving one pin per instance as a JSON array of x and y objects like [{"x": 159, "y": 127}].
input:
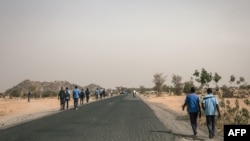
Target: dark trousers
[
  {"x": 62, "y": 103},
  {"x": 193, "y": 120},
  {"x": 75, "y": 102},
  {"x": 87, "y": 99},
  {"x": 210, "y": 119},
  {"x": 81, "y": 100},
  {"x": 67, "y": 103}
]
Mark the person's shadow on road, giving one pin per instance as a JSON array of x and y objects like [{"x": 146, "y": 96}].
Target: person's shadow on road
[{"x": 181, "y": 135}]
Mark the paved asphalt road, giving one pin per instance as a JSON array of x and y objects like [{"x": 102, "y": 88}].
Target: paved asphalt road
[{"x": 121, "y": 118}]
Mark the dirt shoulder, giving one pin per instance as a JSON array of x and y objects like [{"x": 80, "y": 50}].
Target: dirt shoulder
[
  {"x": 16, "y": 111},
  {"x": 168, "y": 110}
]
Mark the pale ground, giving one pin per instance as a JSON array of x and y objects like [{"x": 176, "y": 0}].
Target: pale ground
[
  {"x": 16, "y": 111},
  {"x": 167, "y": 109}
]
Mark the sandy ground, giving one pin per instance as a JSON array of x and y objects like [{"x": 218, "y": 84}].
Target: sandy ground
[
  {"x": 16, "y": 111},
  {"x": 167, "y": 109}
]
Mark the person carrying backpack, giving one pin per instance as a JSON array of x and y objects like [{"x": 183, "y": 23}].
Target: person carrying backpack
[
  {"x": 67, "y": 99},
  {"x": 87, "y": 95},
  {"x": 62, "y": 96},
  {"x": 82, "y": 96}
]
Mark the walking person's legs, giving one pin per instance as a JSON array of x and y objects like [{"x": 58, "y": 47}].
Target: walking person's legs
[
  {"x": 75, "y": 103},
  {"x": 87, "y": 99},
  {"x": 213, "y": 125},
  {"x": 193, "y": 121},
  {"x": 209, "y": 125},
  {"x": 63, "y": 105},
  {"x": 67, "y": 104}
]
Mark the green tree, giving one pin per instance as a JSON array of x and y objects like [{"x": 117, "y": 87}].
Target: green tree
[
  {"x": 216, "y": 78},
  {"x": 178, "y": 86},
  {"x": 187, "y": 86},
  {"x": 166, "y": 88},
  {"x": 197, "y": 76},
  {"x": 232, "y": 79},
  {"x": 203, "y": 77},
  {"x": 159, "y": 80},
  {"x": 15, "y": 93},
  {"x": 142, "y": 89},
  {"x": 240, "y": 81}
]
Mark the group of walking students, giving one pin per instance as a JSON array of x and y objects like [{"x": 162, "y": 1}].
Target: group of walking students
[
  {"x": 209, "y": 105},
  {"x": 64, "y": 97},
  {"x": 192, "y": 101}
]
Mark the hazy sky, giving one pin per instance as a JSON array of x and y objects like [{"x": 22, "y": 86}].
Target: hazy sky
[{"x": 122, "y": 42}]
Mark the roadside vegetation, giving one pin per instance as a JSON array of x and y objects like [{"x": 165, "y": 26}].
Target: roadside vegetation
[{"x": 229, "y": 96}]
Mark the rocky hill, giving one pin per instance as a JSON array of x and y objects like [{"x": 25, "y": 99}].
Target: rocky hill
[{"x": 40, "y": 88}]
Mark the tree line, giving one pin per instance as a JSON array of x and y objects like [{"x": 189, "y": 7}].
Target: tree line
[{"x": 202, "y": 77}]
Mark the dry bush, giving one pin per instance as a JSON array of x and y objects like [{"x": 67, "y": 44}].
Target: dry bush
[{"x": 232, "y": 113}]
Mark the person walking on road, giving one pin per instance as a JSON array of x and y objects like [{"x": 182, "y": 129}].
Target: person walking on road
[
  {"x": 82, "y": 96},
  {"x": 61, "y": 96},
  {"x": 96, "y": 93},
  {"x": 87, "y": 93},
  {"x": 104, "y": 93},
  {"x": 111, "y": 92},
  {"x": 76, "y": 94},
  {"x": 134, "y": 92},
  {"x": 193, "y": 107},
  {"x": 67, "y": 99},
  {"x": 101, "y": 93},
  {"x": 210, "y": 105}
]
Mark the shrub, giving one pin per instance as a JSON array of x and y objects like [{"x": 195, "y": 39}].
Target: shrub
[
  {"x": 247, "y": 102},
  {"x": 49, "y": 94},
  {"x": 15, "y": 93}
]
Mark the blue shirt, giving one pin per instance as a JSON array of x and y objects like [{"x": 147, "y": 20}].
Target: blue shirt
[
  {"x": 96, "y": 92},
  {"x": 192, "y": 101},
  {"x": 76, "y": 93},
  {"x": 209, "y": 102}
]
